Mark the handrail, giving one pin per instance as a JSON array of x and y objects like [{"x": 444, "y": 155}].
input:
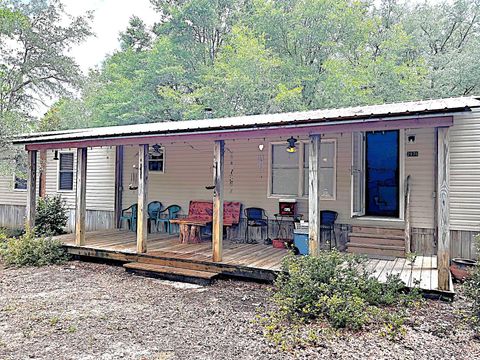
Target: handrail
[{"x": 408, "y": 245}]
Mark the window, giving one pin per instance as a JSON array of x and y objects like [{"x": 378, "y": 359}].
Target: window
[
  {"x": 289, "y": 171},
  {"x": 19, "y": 183},
  {"x": 19, "y": 179},
  {"x": 327, "y": 169},
  {"x": 156, "y": 159},
  {"x": 65, "y": 171},
  {"x": 284, "y": 171}
]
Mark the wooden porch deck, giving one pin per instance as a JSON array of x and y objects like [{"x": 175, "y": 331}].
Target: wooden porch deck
[{"x": 255, "y": 261}]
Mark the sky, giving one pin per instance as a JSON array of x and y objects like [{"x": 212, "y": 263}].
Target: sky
[{"x": 110, "y": 18}]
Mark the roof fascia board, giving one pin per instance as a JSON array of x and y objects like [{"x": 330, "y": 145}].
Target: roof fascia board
[{"x": 277, "y": 130}]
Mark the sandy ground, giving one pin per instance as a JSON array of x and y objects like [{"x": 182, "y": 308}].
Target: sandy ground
[{"x": 93, "y": 311}]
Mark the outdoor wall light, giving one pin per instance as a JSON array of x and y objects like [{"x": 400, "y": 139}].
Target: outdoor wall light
[
  {"x": 55, "y": 155},
  {"x": 291, "y": 148},
  {"x": 157, "y": 149},
  {"x": 260, "y": 147}
]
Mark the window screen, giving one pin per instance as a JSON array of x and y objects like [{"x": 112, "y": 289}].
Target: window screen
[{"x": 156, "y": 159}]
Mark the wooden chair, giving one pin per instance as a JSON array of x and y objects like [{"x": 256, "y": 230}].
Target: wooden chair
[{"x": 130, "y": 215}]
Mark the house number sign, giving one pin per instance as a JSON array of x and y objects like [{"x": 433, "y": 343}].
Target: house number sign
[{"x": 412, "y": 153}]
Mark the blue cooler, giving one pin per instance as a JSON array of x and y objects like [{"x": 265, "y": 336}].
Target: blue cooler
[{"x": 300, "y": 240}]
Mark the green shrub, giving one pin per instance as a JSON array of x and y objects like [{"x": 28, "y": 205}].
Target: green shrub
[
  {"x": 472, "y": 290},
  {"x": 337, "y": 289},
  {"x": 29, "y": 250},
  {"x": 51, "y": 216}
]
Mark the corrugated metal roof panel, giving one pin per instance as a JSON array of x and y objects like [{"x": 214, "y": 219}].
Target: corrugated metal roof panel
[{"x": 264, "y": 120}]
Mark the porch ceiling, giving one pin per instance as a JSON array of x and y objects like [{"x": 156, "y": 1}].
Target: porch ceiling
[{"x": 429, "y": 113}]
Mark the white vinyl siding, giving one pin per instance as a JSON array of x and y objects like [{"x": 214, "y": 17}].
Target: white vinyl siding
[
  {"x": 421, "y": 169},
  {"x": 465, "y": 172},
  {"x": 100, "y": 178}
]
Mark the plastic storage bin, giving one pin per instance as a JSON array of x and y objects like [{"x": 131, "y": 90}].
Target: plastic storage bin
[{"x": 300, "y": 241}]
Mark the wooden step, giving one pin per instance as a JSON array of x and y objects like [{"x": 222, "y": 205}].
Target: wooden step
[
  {"x": 373, "y": 239},
  {"x": 378, "y": 230},
  {"x": 374, "y": 249},
  {"x": 171, "y": 273}
]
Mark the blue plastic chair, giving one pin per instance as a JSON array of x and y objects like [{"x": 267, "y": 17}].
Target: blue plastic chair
[
  {"x": 154, "y": 210},
  {"x": 169, "y": 213},
  {"x": 130, "y": 215},
  {"x": 256, "y": 218},
  {"x": 327, "y": 222}
]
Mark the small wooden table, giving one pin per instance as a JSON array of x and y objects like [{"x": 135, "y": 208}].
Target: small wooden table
[{"x": 190, "y": 233}]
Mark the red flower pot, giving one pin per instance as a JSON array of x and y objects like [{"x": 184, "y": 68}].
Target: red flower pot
[{"x": 461, "y": 268}]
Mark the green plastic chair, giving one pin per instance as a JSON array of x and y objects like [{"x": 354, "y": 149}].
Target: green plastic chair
[
  {"x": 130, "y": 215},
  {"x": 154, "y": 211},
  {"x": 171, "y": 212}
]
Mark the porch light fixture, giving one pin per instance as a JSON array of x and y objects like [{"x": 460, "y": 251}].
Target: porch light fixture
[
  {"x": 157, "y": 149},
  {"x": 55, "y": 155},
  {"x": 291, "y": 148}
]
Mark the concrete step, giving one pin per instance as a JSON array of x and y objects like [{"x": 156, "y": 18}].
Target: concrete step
[
  {"x": 171, "y": 273},
  {"x": 376, "y": 239},
  {"x": 378, "y": 230},
  {"x": 374, "y": 249}
]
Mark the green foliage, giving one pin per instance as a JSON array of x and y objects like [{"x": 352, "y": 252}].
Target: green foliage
[
  {"x": 51, "y": 216},
  {"x": 30, "y": 250},
  {"x": 259, "y": 56},
  {"x": 472, "y": 290},
  {"x": 335, "y": 288},
  {"x": 35, "y": 37}
]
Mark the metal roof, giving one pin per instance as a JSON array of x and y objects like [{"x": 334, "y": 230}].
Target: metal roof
[{"x": 324, "y": 117}]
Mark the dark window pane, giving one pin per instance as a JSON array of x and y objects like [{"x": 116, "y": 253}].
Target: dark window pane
[
  {"x": 66, "y": 161},
  {"x": 66, "y": 181},
  {"x": 155, "y": 165},
  {"x": 20, "y": 184}
]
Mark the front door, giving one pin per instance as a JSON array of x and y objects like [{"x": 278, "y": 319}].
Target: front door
[{"x": 382, "y": 170}]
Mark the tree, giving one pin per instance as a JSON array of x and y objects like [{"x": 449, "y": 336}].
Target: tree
[
  {"x": 33, "y": 61},
  {"x": 136, "y": 36}
]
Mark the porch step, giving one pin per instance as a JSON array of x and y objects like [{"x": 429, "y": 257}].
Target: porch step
[
  {"x": 376, "y": 239},
  {"x": 378, "y": 230},
  {"x": 171, "y": 273},
  {"x": 376, "y": 249}
]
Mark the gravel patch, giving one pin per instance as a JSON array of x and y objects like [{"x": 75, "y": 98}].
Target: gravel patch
[{"x": 94, "y": 311}]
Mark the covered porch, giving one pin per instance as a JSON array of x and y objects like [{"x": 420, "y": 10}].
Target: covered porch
[{"x": 345, "y": 129}]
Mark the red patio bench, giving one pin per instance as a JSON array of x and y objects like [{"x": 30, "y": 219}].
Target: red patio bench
[{"x": 200, "y": 214}]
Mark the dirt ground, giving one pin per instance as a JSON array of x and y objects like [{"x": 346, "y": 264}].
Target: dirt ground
[{"x": 93, "y": 311}]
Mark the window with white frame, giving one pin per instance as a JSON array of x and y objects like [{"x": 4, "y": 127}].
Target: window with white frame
[
  {"x": 19, "y": 180},
  {"x": 156, "y": 159},
  {"x": 289, "y": 171},
  {"x": 65, "y": 171}
]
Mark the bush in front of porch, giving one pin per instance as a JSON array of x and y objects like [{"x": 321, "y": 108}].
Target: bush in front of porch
[
  {"x": 31, "y": 250},
  {"x": 333, "y": 291}
]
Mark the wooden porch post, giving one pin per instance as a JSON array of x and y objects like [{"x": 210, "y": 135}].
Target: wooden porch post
[
  {"x": 142, "y": 215},
  {"x": 217, "y": 229},
  {"x": 119, "y": 150},
  {"x": 443, "y": 209},
  {"x": 314, "y": 195},
  {"x": 81, "y": 197},
  {"x": 31, "y": 188}
]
